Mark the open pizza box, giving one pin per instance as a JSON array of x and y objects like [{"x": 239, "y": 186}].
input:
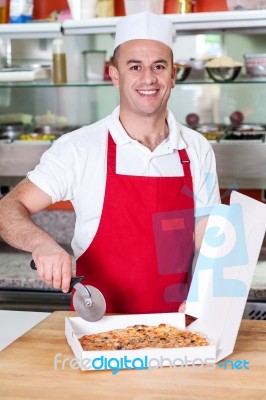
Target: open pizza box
[{"x": 217, "y": 297}]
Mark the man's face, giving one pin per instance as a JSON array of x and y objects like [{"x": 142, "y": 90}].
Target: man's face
[{"x": 144, "y": 75}]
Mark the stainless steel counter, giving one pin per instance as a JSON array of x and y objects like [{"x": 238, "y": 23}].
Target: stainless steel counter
[
  {"x": 241, "y": 163},
  {"x": 16, "y": 159},
  {"x": 20, "y": 287}
]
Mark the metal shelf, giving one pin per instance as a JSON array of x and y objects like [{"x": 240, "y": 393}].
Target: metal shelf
[
  {"x": 250, "y": 21},
  {"x": 253, "y": 21},
  {"x": 90, "y": 26},
  {"x": 84, "y": 84},
  {"x": 32, "y": 30},
  {"x": 50, "y": 84}
]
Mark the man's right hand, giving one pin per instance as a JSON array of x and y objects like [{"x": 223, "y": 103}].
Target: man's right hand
[{"x": 54, "y": 265}]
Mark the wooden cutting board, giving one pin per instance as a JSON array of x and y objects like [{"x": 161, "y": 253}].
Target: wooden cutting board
[{"x": 27, "y": 371}]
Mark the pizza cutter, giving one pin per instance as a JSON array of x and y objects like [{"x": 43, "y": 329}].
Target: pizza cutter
[{"x": 88, "y": 301}]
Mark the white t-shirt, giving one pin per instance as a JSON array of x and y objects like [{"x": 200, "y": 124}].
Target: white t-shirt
[{"x": 74, "y": 168}]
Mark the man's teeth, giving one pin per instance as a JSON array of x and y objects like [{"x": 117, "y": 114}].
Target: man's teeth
[{"x": 147, "y": 92}]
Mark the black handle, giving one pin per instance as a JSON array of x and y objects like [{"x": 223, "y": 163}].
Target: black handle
[
  {"x": 32, "y": 265},
  {"x": 74, "y": 279}
]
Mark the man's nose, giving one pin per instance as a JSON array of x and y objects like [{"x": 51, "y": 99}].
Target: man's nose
[{"x": 149, "y": 76}]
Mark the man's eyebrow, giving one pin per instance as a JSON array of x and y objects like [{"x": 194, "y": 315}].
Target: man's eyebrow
[
  {"x": 161, "y": 60},
  {"x": 132, "y": 61}
]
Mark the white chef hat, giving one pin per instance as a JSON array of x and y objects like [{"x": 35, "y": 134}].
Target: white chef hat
[{"x": 144, "y": 25}]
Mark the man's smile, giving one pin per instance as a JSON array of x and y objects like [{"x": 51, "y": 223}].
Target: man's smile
[{"x": 147, "y": 92}]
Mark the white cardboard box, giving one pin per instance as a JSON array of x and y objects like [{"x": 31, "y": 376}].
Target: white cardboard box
[
  {"x": 217, "y": 296},
  {"x": 138, "y": 359}
]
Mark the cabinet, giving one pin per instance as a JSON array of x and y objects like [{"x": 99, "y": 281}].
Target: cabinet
[{"x": 241, "y": 164}]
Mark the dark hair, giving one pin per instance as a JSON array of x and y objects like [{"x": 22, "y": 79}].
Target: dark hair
[{"x": 115, "y": 57}]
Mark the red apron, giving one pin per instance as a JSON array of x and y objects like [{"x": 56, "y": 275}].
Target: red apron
[{"x": 141, "y": 255}]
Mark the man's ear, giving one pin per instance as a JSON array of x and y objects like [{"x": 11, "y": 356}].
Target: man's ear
[
  {"x": 114, "y": 75},
  {"x": 173, "y": 76}
]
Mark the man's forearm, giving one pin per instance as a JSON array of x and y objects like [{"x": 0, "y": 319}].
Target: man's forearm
[{"x": 17, "y": 227}]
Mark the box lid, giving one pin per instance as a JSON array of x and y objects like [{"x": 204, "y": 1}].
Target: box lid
[{"x": 224, "y": 269}]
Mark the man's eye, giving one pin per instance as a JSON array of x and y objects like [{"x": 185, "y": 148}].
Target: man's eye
[
  {"x": 159, "y": 66},
  {"x": 135, "y": 67}
]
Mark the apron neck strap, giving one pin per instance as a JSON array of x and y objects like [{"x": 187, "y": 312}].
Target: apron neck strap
[
  {"x": 111, "y": 157},
  {"x": 185, "y": 162}
]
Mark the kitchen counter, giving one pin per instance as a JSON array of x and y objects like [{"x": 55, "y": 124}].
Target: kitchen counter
[
  {"x": 27, "y": 371},
  {"x": 16, "y": 273},
  {"x": 235, "y": 160},
  {"x": 15, "y": 323}
]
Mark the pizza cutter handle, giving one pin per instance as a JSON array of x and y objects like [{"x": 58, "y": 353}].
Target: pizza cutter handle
[
  {"x": 74, "y": 279},
  {"x": 32, "y": 265}
]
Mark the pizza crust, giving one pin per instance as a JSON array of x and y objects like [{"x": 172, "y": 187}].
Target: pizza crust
[{"x": 142, "y": 336}]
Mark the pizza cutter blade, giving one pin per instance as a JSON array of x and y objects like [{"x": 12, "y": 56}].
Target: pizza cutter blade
[{"x": 88, "y": 301}]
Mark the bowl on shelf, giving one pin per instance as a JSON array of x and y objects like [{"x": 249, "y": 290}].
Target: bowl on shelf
[
  {"x": 31, "y": 137},
  {"x": 238, "y": 5},
  {"x": 8, "y": 131},
  {"x": 246, "y": 132},
  {"x": 255, "y": 64},
  {"x": 182, "y": 71},
  {"x": 49, "y": 129},
  {"x": 213, "y": 132},
  {"x": 223, "y": 74}
]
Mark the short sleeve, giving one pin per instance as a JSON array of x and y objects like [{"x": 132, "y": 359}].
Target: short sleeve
[{"x": 57, "y": 173}]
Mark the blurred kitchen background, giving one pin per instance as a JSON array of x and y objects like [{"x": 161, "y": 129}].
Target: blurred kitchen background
[{"x": 37, "y": 108}]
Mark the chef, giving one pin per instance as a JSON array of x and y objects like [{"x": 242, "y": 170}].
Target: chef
[{"x": 136, "y": 180}]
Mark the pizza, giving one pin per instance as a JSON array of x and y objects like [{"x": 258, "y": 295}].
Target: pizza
[{"x": 142, "y": 336}]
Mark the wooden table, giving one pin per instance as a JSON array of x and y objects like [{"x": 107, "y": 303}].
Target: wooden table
[{"x": 27, "y": 371}]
